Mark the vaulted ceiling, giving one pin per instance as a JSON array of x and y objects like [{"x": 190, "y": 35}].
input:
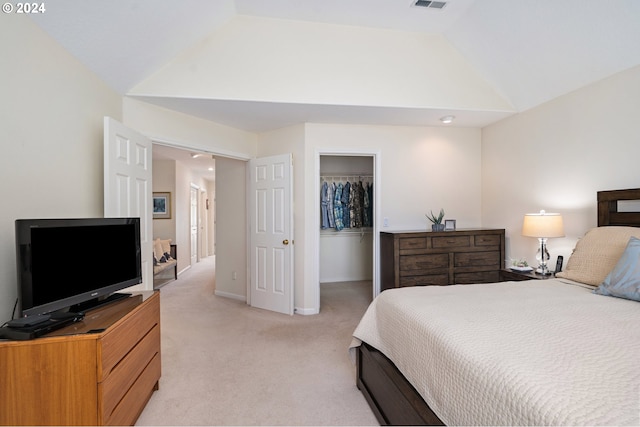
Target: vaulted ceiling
[{"x": 528, "y": 52}]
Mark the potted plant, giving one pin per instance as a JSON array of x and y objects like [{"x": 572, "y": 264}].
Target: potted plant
[{"x": 436, "y": 220}]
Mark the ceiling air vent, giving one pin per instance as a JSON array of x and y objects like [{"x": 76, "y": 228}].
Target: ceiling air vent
[{"x": 430, "y": 4}]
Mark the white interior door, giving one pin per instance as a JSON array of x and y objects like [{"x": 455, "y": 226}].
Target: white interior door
[
  {"x": 203, "y": 227},
  {"x": 271, "y": 233},
  {"x": 127, "y": 185},
  {"x": 194, "y": 224}
]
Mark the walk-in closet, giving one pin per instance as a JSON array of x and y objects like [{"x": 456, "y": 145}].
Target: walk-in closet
[{"x": 346, "y": 219}]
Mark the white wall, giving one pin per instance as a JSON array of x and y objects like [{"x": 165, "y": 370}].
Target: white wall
[
  {"x": 273, "y": 60},
  {"x": 51, "y": 126},
  {"x": 211, "y": 217},
  {"x": 182, "y": 130},
  {"x": 346, "y": 256},
  {"x": 557, "y": 156},
  {"x": 231, "y": 229},
  {"x": 182, "y": 209}
]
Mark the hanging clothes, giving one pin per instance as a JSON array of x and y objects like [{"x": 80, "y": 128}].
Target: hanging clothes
[
  {"x": 330, "y": 192},
  {"x": 366, "y": 219},
  {"x": 370, "y": 208},
  {"x": 357, "y": 199},
  {"x": 346, "y": 217},
  {"x": 338, "y": 208},
  {"x": 324, "y": 206},
  {"x": 346, "y": 202}
]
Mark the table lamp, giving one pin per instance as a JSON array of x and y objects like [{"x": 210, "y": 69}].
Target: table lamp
[{"x": 543, "y": 226}]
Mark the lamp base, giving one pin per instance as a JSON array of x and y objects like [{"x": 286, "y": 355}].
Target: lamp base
[
  {"x": 542, "y": 256},
  {"x": 544, "y": 271}
]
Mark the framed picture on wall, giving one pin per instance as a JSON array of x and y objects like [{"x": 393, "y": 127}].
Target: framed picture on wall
[{"x": 161, "y": 205}]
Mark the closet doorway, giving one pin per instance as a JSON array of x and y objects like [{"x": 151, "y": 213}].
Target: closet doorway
[{"x": 347, "y": 236}]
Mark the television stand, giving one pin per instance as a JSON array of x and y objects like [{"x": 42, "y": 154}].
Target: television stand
[
  {"x": 98, "y": 302},
  {"x": 98, "y": 371}
]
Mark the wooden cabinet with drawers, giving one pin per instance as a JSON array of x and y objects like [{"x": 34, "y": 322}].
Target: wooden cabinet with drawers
[
  {"x": 100, "y": 371},
  {"x": 419, "y": 258}
]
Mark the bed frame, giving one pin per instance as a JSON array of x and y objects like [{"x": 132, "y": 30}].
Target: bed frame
[{"x": 393, "y": 399}]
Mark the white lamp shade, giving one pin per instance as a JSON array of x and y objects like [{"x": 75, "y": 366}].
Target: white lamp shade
[{"x": 543, "y": 225}]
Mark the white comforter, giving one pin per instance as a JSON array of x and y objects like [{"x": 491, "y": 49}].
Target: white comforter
[{"x": 542, "y": 352}]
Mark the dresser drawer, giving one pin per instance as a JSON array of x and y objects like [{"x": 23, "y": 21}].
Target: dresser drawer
[
  {"x": 477, "y": 259},
  {"x": 133, "y": 402},
  {"x": 122, "y": 338},
  {"x": 412, "y": 243},
  {"x": 423, "y": 262},
  {"x": 425, "y": 280},
  {"x": 477, "y": 277},
  {"x": 487, "y": 240},
  {"x": 451, "y": 242},
  {"x": 125, "y": 373}
]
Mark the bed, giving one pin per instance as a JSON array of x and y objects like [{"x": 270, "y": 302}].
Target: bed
[{"x": 537, "y": 352}]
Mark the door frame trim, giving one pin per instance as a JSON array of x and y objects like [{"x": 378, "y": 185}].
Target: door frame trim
[
  {"x": 199, "y": 148},
  {"x": 196, "y": 187}
]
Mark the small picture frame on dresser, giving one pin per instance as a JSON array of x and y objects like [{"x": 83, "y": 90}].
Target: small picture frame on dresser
[{"x": 449, "y": 225}]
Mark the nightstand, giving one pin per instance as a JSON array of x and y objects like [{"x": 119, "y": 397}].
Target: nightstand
[{"x": 507, "y": 275}]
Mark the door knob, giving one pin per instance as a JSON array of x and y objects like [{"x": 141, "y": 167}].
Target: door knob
[{"x": 285, "y": 242}]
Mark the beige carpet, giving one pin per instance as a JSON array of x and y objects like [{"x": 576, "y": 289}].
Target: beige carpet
[{"x": 225, "y": 363}]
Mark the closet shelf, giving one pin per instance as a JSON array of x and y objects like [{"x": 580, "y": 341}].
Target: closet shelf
[
  {"x": 345, "y": 231},
  {"x": 347, "y": 176}
]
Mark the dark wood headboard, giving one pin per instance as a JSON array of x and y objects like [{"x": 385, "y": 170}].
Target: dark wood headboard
[{"x": 608, "y": 208}]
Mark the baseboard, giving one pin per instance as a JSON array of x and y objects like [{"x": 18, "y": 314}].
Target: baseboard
[
  {"x": 230, "y": 295},
  {"x": 343, "y": 279},
  {"x": 305, "y": 311}
]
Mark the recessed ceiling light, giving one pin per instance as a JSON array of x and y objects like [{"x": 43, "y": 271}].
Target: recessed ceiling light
[
  {"x": 210, "y": 169},
  {"x": 447, "y": 119},
  {"x": 201, "y": 155}
]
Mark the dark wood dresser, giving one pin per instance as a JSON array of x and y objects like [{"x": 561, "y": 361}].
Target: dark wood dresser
[{"x": 419, "y": 258}]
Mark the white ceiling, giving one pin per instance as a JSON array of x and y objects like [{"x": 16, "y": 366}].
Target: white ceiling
[
  {"x": 529, "y": 51},
  {"x": 202, "y": 166}
]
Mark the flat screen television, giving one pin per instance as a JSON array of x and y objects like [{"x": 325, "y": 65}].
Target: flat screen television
[{"x": 64, "y": 263}]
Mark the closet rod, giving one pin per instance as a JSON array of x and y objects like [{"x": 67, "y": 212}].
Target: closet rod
[{"x": 349, "y": 176}]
